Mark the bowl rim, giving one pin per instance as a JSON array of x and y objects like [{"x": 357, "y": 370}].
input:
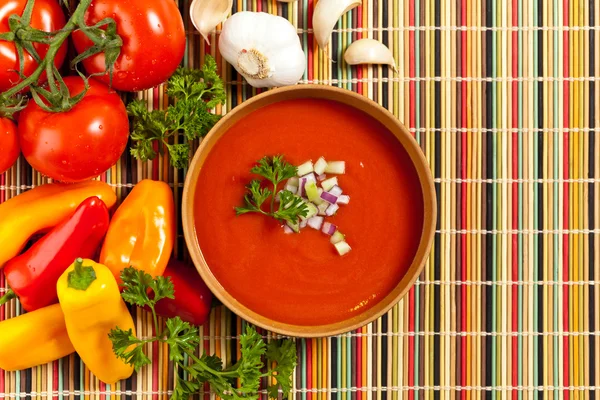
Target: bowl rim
[{"x": 349, "y": 98}]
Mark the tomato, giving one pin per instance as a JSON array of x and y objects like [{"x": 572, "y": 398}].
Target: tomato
[
  {"x": 153, "y": 42},
  {"x": 80, "y": 143},
  {"x": 9, "y": 143},
  {"x": 47, "y": 16}
]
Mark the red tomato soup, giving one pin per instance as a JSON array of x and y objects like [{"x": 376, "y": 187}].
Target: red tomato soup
[{"x": 299, "y": 278}]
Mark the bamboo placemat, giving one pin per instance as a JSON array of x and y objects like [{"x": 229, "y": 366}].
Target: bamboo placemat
[{"x": 503, "y": 98}]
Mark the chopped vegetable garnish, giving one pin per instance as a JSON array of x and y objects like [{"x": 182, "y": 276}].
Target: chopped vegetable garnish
[
  {"x": 336, "y": 191},
  {"x": 331, "y": 210},
  {"x": 308, "y": 197},
  {"x": 328, "y": 197},
  {"x": 342, "y": 247},
  {"x": 320, "y": 166},
  {"x": 305, "y": 168},
  {"x": 329, "y": 228},
  {"x": 343, "y": 199},
  {"x": 316, "y": 222},
  {"x": 329, "y": 183},
  {"x": 337, "y": 237},
  {"x": 335, "y": 167},
  {"x": 323, "y": 207}
]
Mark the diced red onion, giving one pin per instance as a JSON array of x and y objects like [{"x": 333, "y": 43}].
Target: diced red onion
[
  {"x": 336, "y": 191},
  {"x": 329, "y": 228},
  {"x": 303, "y": 223},
  {"x": 309, "y": 177},
  {"x": 287, "y": 230},
  {"x": 331, "y": 210},
  {"x": 335, "y": 167},
  {"x": 322, "y": 208},
  {"x": 291, "y": 188},
  {"x": 343, "y": 199},
  {"x": 322, "y": 177},
  {"x": 301, "y": 188},
  {"x": 315, "y": 222},
  {"x": 328, "y": 197},
  {"x": 293, "y": 181},
  {"x": 320, "y": 166}
]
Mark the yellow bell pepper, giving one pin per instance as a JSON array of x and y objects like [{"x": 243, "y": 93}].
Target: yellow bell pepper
[
  {"x": 142, "y": 231},
  {"x": 91, "y": 302},
  {"x": 42, "y": 208},
  {"x": 35, "y": 338}
]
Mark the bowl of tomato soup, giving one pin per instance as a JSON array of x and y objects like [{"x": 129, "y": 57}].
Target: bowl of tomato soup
[{"x": 298, "y": 284}]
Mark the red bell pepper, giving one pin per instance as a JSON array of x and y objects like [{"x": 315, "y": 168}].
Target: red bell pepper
[
  {"x": 32, "y": 275},
  {"x": 193, "y": 299}
]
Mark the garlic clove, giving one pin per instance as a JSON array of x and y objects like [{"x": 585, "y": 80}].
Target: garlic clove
[
  {"x": 326, "y": 15},
  {"x": 207, "y": 14},
  {"x": 369, "y": 51}
]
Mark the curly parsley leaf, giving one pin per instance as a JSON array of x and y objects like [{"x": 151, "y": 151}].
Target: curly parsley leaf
[
  {"x": 194, "y": 94},
  {"x": 122, "y": 342},
  {"x": 182, "y": 338},
  {"x": 283, "y": 354},
  {"x": 136, "y": 286},
  {"x": 275, "y": 170}
]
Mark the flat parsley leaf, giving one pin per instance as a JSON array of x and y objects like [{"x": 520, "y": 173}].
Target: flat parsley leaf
[{"x": 182, "y": 338}]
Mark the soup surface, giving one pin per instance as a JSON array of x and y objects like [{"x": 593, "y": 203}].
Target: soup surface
[{"x": 299, "y": 278}]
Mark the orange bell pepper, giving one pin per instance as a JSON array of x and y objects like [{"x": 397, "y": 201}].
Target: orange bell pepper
[
  {"x": 142, "y": 231},
  {"x": 42, "y": 208}
]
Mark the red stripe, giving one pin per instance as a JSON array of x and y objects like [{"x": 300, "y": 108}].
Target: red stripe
[
  {"x": 55, "y": 373},
  {"x": 358, "y": 364}
]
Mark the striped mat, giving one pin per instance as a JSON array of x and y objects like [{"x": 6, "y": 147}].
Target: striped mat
[{"x": 503, "y": 98}]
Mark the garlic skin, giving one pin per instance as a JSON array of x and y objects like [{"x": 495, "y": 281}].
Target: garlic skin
[
  {"x": 207, "y": 14},
  {"x": 326, "y": 15},
  {"x": 263, "y": 48},
  {"x": 369, "y": 51}
]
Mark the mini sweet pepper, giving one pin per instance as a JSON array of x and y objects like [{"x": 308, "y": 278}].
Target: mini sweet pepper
[
  {"x": 142, "y": 230},
  {"x": 32, "y": 275},
  {"x": 33, "y": 339},
  {"x": 92, "y": 305},
  {"x": 193, "y": 299},
  {"x": 42, "y": 208}
]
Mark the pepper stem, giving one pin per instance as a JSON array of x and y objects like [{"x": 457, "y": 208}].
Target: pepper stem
[
  {"x": 81, "y": 277},
  {"x": 7, "y": 297}
]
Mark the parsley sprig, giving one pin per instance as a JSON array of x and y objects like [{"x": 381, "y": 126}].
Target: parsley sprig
[
  {"x": 274, "y": 170},
  {"x": 195, "y": 93},
  {"x": 182, "y": 339}
]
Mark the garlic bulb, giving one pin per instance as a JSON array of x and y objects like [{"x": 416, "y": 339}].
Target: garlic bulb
[
  {"x": 263, "y": 48},
  {"x": 326, "y": 15},
  {"x": 369, "y": 51},
  {"x": 207, "y": 14}
]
